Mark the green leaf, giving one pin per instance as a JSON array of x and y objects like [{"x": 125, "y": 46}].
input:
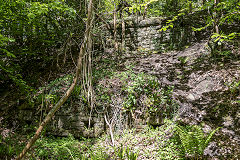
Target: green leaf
[
  {"x": 9, "y": 54},
  {"x": 31, "y": 15},
  {"x": 210, "y": 136},
  {"x": 216, "y": 39}
]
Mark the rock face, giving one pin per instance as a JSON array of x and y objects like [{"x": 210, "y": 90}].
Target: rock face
[
  {"x": 207, "y": 89},
  {"x": 203, "y": 91},
  {"x": 76, "y": 122},
  {"x": 138, "y": 34}
]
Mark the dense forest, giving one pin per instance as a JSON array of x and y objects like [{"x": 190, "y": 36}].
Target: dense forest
[{"x": 119, "y": 79}]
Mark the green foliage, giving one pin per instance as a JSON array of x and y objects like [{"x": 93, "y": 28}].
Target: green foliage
[
  {"x": 193, "y": 140},
  {"x": 125, "y": 153},
  {"x": 13, "y": 75},
  {"x": 183, "y": 60},
  {"x": 156, "y": 98},
  {"x": 28, "y": 32},
  {"x": 140, "y": 7},
  {"x": 51, "y": 93},
  {"x": 3, "y": 43},
  {"x": 9, "y": 146},
  {"x": 57, "y": 148},
  {"x": 225, "y": 13},
  {"x": 147, "y": 144},
  {"x": 10, "y": 69},
  {"x": 221, "y": 40},
  {"x": 139, "y": 84},
  {"x": 151, "y": 7},
  {"x": 170, "y": 23},
  {"x": 233, "y": 86}
]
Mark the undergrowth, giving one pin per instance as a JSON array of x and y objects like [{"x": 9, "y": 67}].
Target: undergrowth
[
  {"x": 193, "y": 140},
  {"x": 148, "y": 144},
  {"x": 57, "y": 148},
  {"x": 138, "y": 91},
  {"x": 167, "y": 142}
]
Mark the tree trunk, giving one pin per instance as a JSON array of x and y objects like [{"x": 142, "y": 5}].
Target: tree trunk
[
  {"x": 123, "y": 36},
  {"x": 216, "y": 2},
  {"x": 69, "y": 91},
  {"x": 115, "y": 29}
]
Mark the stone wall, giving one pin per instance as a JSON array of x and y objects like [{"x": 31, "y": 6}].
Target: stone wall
[
  {"x": 69, "y": 119},
  {"x": 145, "y": 35},
  {"x": 75, "y": 120},
  {"x": 140, "y": 34}
]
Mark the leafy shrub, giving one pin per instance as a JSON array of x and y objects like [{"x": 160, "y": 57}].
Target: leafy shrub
[{"x": 143, "y": 90}]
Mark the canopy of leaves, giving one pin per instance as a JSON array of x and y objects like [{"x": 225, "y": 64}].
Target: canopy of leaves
[{"x": 30, "y": 31}]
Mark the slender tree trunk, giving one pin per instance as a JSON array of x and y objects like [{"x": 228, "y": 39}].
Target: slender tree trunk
[
  {"x": 69, "y": 91},
  {"x": 214, "y": 45},
  {"x": 115, "y": 28},
  {"x": 215, "y": 17},
  {"x": 123, "y": 36}
]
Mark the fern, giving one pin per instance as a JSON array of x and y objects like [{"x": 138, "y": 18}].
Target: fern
[
  {"x": 210, "y": 136},
  {"x": 193, "y": 139},
  {"x": 124, "y": 153},
  {"x": 185, "y": 138}
]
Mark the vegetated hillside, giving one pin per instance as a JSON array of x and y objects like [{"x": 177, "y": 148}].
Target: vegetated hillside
[
  {"x": 137, "y": 102},
  {"x": 206, "y": 90},
  {"x": 203, "y": 90}
]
